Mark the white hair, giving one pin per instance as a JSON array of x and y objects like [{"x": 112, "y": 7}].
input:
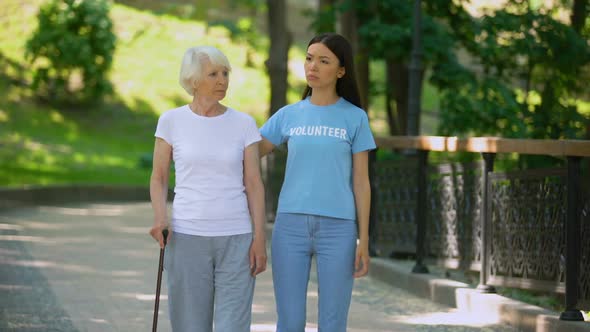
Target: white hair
[{"x": 191, "y": 68}]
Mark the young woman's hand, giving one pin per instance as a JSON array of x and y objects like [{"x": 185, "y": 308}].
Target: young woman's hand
[
  {"x": 258, "y": 255},
  {"x": 361, "y": 262}
]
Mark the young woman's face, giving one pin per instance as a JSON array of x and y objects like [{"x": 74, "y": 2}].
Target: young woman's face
[
  {"x": 322, "y": 67},
  {"x": 214, "y": 81}
]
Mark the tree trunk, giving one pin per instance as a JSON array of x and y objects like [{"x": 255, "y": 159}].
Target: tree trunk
[
  {"x": 362, "y": 70},
  {"x": 277, "y": 63},
  {"x": 397, "y": 82},
  {"x": 579, "y": 13},
  {"x": 325, "y": 4},
  {"x": 580, "y": 10},
  {"x": 324, "y": 8},
  {"x": 349, "y": 25},
  {"x": 277, "y": 66},
  {"x": 397, "y": 76}
]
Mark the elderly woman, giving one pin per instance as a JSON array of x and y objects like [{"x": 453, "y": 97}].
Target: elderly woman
[{"x": 216, "y": 245}]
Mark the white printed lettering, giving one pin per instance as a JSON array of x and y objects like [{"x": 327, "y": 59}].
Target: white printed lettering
[{"x": 318, "y": 131}]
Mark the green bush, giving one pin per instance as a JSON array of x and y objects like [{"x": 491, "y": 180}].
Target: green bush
[{"x": 72, "y": 50}]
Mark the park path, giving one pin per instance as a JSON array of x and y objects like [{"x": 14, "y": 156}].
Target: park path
[{"x": 92, "y": 267}]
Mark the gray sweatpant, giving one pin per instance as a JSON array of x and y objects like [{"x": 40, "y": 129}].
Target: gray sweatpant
[{"x": 209, "y": 283}]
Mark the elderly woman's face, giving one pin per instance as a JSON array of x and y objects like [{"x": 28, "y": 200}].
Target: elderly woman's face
[{"x": 214, "y": 81}]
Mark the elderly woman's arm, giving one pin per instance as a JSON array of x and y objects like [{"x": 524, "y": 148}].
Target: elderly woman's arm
[
  {"x": 159, "y": 188},
  {"x": 255, "y": 195}
]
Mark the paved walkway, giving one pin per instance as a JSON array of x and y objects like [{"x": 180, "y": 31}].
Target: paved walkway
[{"x": 92, "y": 267}]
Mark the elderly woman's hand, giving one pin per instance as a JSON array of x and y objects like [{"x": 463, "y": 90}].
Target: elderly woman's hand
[{"x": 157, "y": 233}]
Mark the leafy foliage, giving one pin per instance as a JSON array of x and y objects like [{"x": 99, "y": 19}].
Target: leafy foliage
[
  {"x": 514, "y": 72},
  {"x": 323, "y": 19},
  {"x": 72, "y": 50},
  {"x": 533, "y": 61},
  {"x": 244, "y": 29}
]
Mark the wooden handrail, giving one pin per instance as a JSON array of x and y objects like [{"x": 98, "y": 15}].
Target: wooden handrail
[{"x": 565, "y": 147}]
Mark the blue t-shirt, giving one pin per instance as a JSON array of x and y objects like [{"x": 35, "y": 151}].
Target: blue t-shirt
[{"x": 321, "y": 141}]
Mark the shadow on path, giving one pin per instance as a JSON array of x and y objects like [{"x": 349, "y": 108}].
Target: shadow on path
[{"x": 27, "y": 302}]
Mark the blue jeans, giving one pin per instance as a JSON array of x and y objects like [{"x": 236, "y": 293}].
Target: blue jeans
[{"x": 296, "y": 238}]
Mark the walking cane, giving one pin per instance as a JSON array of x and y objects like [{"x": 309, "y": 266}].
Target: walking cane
[{"x": 159, "y": 282}]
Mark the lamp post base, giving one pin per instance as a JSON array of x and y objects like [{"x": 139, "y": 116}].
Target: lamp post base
[
  {"x": 419, "y": 268},
  {"x": 486, "y": 289},
  {"x": 572, "y": 315}
]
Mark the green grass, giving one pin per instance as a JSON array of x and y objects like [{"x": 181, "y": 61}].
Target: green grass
[
  {"x": 107, "y": 142},
  {"x": 549, "y": 301},
  {"x": 102, "y": 145}
]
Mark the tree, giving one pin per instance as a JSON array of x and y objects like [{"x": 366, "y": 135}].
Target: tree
[
  {"x": 579, "y": 17},
  {"x": 580, "y": 9},
  {"x": 386, "y": 33},
  {"x": 344, "y": 15},
  {"x": 350, "y": 22},
  {"x": 243, "y": 28},
  {"x": 72, "y": 50},
  {"x": 277, "y": 66},
  {"x": 523, "y": 78},
  {"x": 326, "y": 16},
  {"x": 278, "y": 55},
  {"x": 529, "y": 77},
  {"x": 349, "y": 25}
]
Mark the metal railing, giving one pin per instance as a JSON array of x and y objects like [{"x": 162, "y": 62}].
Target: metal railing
[{"x": 526, "y": 229}]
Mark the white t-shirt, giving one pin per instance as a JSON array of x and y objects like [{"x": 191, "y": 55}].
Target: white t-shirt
[{"x": 208, "y": 154}]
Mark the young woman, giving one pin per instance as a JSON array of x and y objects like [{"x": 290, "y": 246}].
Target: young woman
[
  {"x": 325, "y": 198},
  {"x": 217, "y": 239}
]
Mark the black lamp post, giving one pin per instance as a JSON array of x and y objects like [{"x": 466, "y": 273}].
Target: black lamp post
[
  {"x": 415, "y": 71},
  {"x": 414, "y": 93}
]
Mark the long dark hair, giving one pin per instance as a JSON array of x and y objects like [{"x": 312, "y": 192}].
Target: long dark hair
[{"x": 346, "y": 86}]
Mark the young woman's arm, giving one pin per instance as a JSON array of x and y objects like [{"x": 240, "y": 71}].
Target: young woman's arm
[
  {"x": 362, "y": 197},
  {"x": 265, "y": 147},
  {"x": 255, "y": 195},
  {"x": 159, "y": 187}
]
